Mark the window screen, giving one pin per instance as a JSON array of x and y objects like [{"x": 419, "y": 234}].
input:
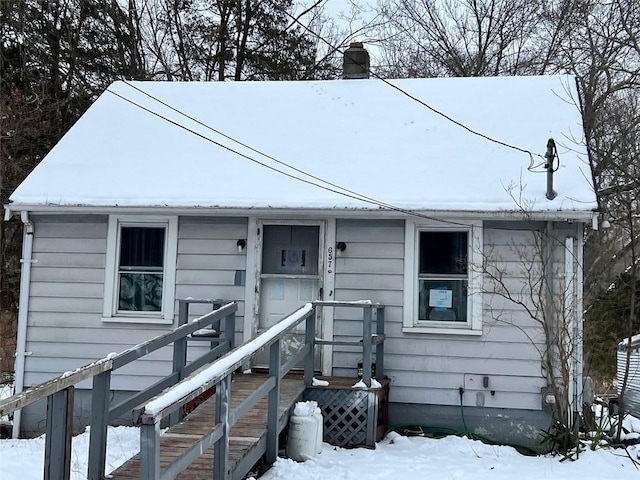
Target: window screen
[
  {"x": 443, "y": 276},
  {"x": 140, "y": 268}
]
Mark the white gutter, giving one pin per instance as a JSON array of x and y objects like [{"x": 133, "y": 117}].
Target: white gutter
[
  {"x": 23, "y": 312},
  {"x": 587, "y": 216}
]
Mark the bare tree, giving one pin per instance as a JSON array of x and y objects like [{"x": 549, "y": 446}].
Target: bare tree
[
  {"x": 467, "y": 38},
  {"x": 530, "y": 274},
  {"x": 615, "y": 294},
  {"x": 597, "y": 42}
]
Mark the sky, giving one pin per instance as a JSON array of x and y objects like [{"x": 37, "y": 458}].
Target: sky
[{"x": 396, "y": 457}]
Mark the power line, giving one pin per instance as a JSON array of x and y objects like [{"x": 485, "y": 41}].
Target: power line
[
  {"x": 334, "y": 188},
  {"x": 421, "y": 102},
  {"x": 259, "y": 152}
]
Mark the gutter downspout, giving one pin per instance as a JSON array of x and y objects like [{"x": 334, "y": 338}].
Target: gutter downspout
[{"x": 23, "y": 311}]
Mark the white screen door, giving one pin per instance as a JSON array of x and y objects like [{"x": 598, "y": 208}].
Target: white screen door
[{"x": 289, "y": 278}]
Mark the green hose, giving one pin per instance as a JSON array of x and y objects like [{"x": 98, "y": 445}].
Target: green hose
[{"x": 439, "y": 431}]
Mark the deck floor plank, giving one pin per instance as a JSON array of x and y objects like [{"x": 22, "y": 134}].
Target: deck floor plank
[{"x": 244, "y": 436}]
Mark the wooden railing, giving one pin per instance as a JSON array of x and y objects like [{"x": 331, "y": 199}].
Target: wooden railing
[
  {"x": 59, "y": 391},
  {"x": 218, "y": 375},
  {"x": 166, "y": 398}
]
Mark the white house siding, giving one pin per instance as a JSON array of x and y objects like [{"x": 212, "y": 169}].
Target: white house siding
[
  {"x": 67, "y": 285},
  {"x": 68, "y": 276},
  {"x": 208, "y": 260},
  {"x": 431, "y": 368},
  {"x": 67, "y": 289},
  {"x": 371, "y": 268}
]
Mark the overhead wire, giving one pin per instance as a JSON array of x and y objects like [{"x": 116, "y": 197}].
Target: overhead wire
[
  {"x": 270, "y": 157},
  {"x": 328, "y": 185},
  {"x": 418, "y": 100},
  {"x": 334, "y": 188}
]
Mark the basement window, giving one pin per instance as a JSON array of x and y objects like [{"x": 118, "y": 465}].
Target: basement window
[
  {"x": 140, "y": 273},
  {"x": 442, "y": 285}
]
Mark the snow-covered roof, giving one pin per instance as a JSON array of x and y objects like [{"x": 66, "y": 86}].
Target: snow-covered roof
[{"x": 360, "y": 135}]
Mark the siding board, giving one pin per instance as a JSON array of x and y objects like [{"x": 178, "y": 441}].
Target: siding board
[
  {"x": 369, "y": 282},
  {"x": 429, "y": 368},
  {"x": 65, "y": 309},
  {"x": 68, "y": 275},
  {"x": 435, "y": 396},
  {"x": 386, "y": 297},
  {"x": 67, "y": 290},
  {"x": 84, "y": 260},
  {"x": 69, "y": 245},
  {"x": 209, "y": 262},
  {"x": 385, "y": 266}
]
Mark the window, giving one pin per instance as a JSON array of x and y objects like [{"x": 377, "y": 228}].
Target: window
[
  {"x": 141, "y": 269},
  {"x": 140, "y": 273},
  {"x": 442, "y": 289}
]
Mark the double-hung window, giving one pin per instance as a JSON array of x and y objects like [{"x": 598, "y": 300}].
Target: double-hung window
[
  {"x": 442, "y": 280},
  {"x": 140, "y": 271}
]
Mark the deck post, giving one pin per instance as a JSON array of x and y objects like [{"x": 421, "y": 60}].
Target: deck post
[
  {"x": 150, "y": 451},
  {"x": 310, "y": 337},
  {"x": 180, "y": 355},
  {"x": 274, "y": 404},
  {"x": 99, "y": 424},
  {"x": 57, "y": 456},
  {"x": 221, "y": 447},
  {"x": 230, "y": 330},
  {"x": 380, "y": 344},
  {"x": 366, "y": 345},
  {"x": 183, "y": 312}
]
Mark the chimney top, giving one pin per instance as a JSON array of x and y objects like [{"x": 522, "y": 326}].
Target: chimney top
[{"x": 355, "y": 63}]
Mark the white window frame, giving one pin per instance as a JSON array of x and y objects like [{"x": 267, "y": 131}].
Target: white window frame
[
  {"x": 110, "y": 311},
  {"x": 410, "y": 322}
]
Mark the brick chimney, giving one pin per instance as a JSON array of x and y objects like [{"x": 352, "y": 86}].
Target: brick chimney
[{"x": 355, "y": 62}]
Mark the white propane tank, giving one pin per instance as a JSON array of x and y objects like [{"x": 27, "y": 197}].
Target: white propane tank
[{"x": 305, "y": 432}]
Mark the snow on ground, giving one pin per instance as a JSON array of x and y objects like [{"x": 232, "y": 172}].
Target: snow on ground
[
  {"x": 405, "y": 458},
  {"x": 451, "y": 458},
  {"x": 24, "y": 459}
]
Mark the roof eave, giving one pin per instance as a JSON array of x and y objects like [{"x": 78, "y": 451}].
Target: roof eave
[{"x": 337, "y": 212}]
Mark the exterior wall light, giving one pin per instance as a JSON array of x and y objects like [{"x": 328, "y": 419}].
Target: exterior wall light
[
  {"x": 241, "y": 245},
  {"x": 341, "y": 247}
]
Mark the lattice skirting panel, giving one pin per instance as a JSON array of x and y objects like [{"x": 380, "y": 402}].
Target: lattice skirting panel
[{"x": 352, "y": 418}]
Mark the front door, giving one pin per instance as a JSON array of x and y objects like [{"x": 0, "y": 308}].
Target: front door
[{"x": 289, "y": 277}]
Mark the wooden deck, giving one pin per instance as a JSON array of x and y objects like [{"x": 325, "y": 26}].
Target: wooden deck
[{"x": 247, "y": 438}]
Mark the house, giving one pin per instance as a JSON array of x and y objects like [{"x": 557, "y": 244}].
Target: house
[{"x": 430, "y": 196}]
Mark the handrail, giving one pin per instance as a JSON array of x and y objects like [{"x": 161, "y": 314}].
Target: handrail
[
  {"x": 59, "y": 391},
  {"x": 373, "y": 312},
  {"x": 150, "y": 414},
  {"x": 187, "y": 381},
  {"x": 55, "y": 385},
  {"x": 111, "y": 362},
  {"x": 185, "y": 391}
]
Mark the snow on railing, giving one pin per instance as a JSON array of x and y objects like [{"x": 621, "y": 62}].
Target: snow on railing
[{"x": 226, "y": 364}]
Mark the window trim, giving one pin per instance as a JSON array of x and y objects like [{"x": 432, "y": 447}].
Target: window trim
[
  {"x": 110, "y": 311},
  {"x": 410, "y": 322}
]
